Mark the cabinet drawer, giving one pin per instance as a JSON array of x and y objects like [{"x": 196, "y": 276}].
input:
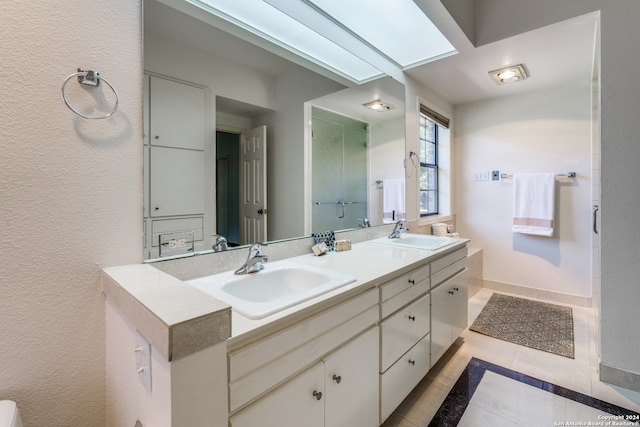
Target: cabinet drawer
[
  {"x": 393, "y": 304},
  {"x": 399, "y": 284},
  {"x": 448, "y": 259},
  {"x": 402, "y": 377},
  {"x": 448, "y": 272},
  {"x": 402, "y": 330}
]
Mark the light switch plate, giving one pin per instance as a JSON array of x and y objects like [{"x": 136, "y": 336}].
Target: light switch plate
[
  {"x": 481, "y": 176},
  {"x": 143, "y": 361}
]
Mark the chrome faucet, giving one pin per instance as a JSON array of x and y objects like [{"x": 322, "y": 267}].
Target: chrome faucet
[
  {"x": 255, "y": 260},
  {"x": 220, "y": 243},
  {"x": 365, "y": 223},
  {"x": 398, "y": 230}
]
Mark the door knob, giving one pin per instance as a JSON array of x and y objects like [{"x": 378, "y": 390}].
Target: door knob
[{"x": 263, "y": 211}]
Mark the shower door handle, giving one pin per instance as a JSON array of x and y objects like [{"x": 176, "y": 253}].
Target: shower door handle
[{"x": 595, "y": 218}]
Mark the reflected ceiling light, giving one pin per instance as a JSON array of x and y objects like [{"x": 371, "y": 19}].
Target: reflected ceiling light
[
  {"x": 379, "y": 105},
  {"x": 511, "y": 74}
]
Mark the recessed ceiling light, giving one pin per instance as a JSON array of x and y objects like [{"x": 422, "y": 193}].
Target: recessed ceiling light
[
  {"x": 379, "y": 105},
  {"x": 511, "y": 74}
]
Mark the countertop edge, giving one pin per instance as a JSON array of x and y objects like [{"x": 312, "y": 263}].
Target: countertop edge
[{"x": 176, "y": 319}]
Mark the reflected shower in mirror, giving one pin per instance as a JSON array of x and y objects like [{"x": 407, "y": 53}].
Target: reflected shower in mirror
[{"x": 233, "y": 87}]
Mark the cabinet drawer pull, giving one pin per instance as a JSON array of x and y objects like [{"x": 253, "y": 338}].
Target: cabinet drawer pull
[
  {"x": 337, "y": 378},
  {"x": 413, "y": 282},
  {"x": 317, "y": 394},
  {"x": 456, "y": 289},
  {"x": 451, "y": 292},
  {"x": 412, "y": 362},
  {"x": 412, "y": 318}
]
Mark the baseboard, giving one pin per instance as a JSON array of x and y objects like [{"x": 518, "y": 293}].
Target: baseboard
[
  {"x": 538, "y": 293},
  {"x": 619, "y": 377}
]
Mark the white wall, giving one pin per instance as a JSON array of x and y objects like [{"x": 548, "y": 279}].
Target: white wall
[
  {"x": 544, "y": 131},
  {"x": 71, "y": 200}
]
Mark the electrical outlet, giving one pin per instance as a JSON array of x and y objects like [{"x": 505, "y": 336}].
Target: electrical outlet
[
  {"x": 481, "y": 176},
  {"x": 177, "y": 243},
  {"x": 495, "y": 175},
  {"x": 143, "y": 361}
]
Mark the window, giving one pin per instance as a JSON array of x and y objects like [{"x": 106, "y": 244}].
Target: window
[{"x": 431, "y": 124}]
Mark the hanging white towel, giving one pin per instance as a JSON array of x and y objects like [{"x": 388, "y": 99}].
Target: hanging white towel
[
  {"x": 393, "y": 206},
  {"x": 533, "y": 203}
]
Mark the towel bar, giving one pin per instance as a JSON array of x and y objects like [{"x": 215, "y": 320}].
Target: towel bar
[{"x": 568, "y": 174}]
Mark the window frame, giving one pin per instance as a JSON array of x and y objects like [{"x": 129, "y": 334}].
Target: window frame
[{"x": 431, "y": 166}]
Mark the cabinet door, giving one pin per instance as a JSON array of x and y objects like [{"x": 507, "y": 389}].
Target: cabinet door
[
  {"x": 298, "y": 402},
  {"x": 460, "y": 304},
  {"x": 177, "y": 182},
  {"x": 440, "y": 320},
  {"x": 351, "y": 383},
  {"x": 177, "y": 114}
]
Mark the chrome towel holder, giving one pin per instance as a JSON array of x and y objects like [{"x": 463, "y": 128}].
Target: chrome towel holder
[{"x": 90, "y": 78}]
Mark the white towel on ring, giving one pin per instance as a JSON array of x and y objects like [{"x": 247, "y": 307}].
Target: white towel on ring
[
  {"x": 534, "y": 203},
  {"x": 393, "y": 198}
]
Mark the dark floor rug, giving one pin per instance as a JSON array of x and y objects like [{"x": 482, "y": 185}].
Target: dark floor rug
[{"x": 539, "y": 325}]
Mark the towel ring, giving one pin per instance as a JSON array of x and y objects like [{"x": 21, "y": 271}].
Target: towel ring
[{"x": 91, "y": 78}]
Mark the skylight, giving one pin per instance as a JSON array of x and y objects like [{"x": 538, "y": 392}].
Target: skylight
[
  {"x": 359, "y": 41},
  {"x": 268, "y": 22},
  {"x": 398, "y": 28}
]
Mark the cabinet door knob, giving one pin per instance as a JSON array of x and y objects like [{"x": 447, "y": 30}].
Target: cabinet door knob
[
  {"x": 156, "y": 208},
  {"x": 451, "y": 292},
  {"x": 337, "y": 378},
  {"x": 456, "y": 289},
  {"x": 157, "y": 137},
  {"x": 412, "y": 362},
  {"x": 412, "y": 318},
  {"x": 317, "y": 394},
  {"x": 413, "y": 282}
]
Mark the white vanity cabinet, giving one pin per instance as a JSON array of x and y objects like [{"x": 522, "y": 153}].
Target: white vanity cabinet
[
  {"x": 341, "y": 390},
  {"x": 449, "y": 305},
  {"x": 404, "y": 336},
  {"x": 342, "y": 340}
]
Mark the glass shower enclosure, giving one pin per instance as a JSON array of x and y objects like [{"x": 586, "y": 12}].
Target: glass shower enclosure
[{"x": 339, "y": 171}]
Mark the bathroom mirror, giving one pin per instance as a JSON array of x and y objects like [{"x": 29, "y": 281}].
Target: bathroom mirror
[{"x": 244, "y": 88}]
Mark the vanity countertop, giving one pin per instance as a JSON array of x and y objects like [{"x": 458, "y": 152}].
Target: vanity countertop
[{"x": 180, "y": 319}]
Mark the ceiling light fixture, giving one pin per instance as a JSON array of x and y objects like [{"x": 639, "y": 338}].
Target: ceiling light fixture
[
  {"x": 379, "y": 105},
  {"x": 511, "y": 74}
]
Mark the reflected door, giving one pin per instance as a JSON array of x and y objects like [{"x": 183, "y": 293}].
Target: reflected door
[{"x": 253, "y": 186}]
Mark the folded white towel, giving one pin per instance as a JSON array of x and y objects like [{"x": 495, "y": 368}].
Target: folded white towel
[
  {"x": 534, "y": 203},
  {"x": 393, "y": 206}
]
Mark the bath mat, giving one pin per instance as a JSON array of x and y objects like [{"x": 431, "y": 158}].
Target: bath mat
[{"x": 539, "y": 325}]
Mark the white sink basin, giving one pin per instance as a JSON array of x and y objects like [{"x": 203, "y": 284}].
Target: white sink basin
[
  {"x": 419, "y": 241},
  {"x": 280, "y": 285}
]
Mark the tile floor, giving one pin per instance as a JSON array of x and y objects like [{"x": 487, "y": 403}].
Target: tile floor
[{"x": 500, "y": 401}]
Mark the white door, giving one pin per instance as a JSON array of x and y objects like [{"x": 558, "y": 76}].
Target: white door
[{"x": 253, "y": 186}]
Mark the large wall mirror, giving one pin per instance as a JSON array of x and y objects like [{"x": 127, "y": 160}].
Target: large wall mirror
[{"x": 243, "y": 143}]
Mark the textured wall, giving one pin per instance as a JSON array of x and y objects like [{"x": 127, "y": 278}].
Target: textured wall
[{"x": 71, "y": 200}]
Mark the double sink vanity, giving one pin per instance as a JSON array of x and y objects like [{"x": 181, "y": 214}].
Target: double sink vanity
[{"x": 333, "y": 340}]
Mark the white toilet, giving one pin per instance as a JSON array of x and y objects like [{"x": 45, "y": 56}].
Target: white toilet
[{"x": 9, "y": 415}]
